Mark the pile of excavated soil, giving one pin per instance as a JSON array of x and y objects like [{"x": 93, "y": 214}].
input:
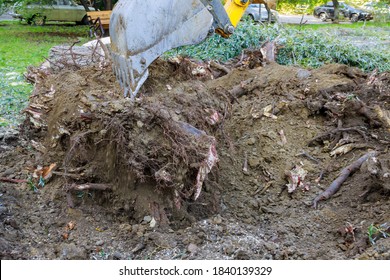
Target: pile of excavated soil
[{"x": 103, "y": 177}]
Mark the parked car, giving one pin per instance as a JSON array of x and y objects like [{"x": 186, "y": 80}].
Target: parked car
[
  {"x": 54, "y": 10},
  {"x": 326, "y": 12},
  {"x": 258, "y": 13}
]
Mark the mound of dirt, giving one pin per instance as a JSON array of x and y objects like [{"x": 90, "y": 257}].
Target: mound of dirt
[{"x": 209, "y": 162}]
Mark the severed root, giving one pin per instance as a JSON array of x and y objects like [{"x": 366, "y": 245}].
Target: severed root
[
  {"x": 83, "y": 187},
  {"x": 344, "y": 174},
  {"x": 14, "y": 181},
  {"x": 241, "y": 89},
  {"x": 219, "y": 67}
]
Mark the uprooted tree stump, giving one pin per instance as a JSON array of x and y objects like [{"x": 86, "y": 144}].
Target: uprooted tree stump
[{"x": 154, "y": 151}]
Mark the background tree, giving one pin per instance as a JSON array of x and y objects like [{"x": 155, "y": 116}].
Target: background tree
[{"x": 336, "y": 11}]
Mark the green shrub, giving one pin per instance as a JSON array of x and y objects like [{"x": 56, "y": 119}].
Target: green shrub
[{"x": 303, "y": 47}]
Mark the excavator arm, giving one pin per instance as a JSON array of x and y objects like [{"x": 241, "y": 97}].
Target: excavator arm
[{"x": 142, "y": 30}]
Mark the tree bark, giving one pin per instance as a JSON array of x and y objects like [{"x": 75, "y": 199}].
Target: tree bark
[
  {"x": 108, "y": 4},
  {"x": 336, "y": 11},
  {"x": 85, "y": 5}
]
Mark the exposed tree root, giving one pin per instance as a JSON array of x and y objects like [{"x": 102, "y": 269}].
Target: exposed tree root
[
  {"x": 14, "y": 181},
  {"x": 337, "y": 131},
  {"x": 219, "y": 67},
  {"x": 84, "y": 187},
  {"x": 89, "y": 186},
  {"x": 241, "y": 89},
  {"x": 344, "y": 174}
]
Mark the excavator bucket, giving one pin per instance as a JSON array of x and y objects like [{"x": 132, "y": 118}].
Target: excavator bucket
[{"x": 142, "y": 30}]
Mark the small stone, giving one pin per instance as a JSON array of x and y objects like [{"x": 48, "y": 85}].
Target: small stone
[
  {"x": 153, "y": 223},
  {"x": 271, "y": 246},
  {"x": 34, "y": 219},
  {"x": 242, "y": 255},
  {"x": 251, "y": 141},
  {"x": 3, "y": 210},
  {"x": 217, "y": 220},
  {"x": 117, "y": 256},
  {"x": 125, "y": 227},
  {"x": 99, "y": 243},
  {"x": 254, "y": 204},
  {"x": 254, "y": 162},
  {"x": 192, "y": 248},
  {"x": 140, "y": 124},
  {"x": 266, "y": 210},
  {"x": 147, "y": 219},
  {"x": 60, "y": 223},
  {"x": 72, "y": 252},
  {"x": 303, "y": 74},
  {"x": 8, "y": 172},
  {"x": 11, "y": 222},
  {"x": 343, "y": 247}
]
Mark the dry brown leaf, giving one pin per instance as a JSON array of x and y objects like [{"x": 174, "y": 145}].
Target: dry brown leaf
[
  {"x": 65, "y": 236},
  {"x": 71, "y": 225},
  {"x": 47, "y": 171}
]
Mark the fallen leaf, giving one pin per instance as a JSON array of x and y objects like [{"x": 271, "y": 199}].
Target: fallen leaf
[
  {"x": 47, "y": 171},
  {"x": 71, "y": 225},
  {"x": 342, "y": 150}
]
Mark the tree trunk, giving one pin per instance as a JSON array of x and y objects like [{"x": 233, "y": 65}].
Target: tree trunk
[
  {"x": 84, "y": 3},
  {"x": 268, "y": 12},
  {"x": 108, "y": 4},
  {"x": 336, "y": 11}
]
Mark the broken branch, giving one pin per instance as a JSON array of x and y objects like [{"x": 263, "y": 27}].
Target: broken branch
[{"x": 344, "y": 174}]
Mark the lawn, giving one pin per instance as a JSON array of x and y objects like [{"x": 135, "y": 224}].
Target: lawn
[{"x": 23, "y": 45}]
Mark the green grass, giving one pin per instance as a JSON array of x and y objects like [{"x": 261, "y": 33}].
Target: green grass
[{"x": 23, "y": 45}]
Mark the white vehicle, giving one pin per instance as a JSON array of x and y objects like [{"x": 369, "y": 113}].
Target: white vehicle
[
  {"x": 55, "y": 10},
  {"x": 258, "y": 13}
]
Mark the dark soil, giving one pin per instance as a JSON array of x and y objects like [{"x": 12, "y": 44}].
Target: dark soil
[{"x": 139, "y": 161}]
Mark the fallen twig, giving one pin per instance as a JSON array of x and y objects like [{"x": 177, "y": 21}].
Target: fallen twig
[
  {"x": 245, "y": 164},
  {"x": 14, "y": 181},
  {"x": 344, "y": 174},
  {"x": 305, "y": 154},
  {"x": 269, "y": 184},
  {"x": 320, "y": 177}
]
